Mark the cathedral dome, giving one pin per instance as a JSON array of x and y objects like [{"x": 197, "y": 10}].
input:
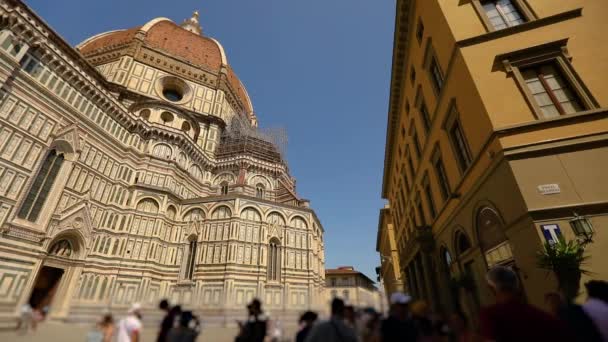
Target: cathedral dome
[{"x": 185, "y": 42}]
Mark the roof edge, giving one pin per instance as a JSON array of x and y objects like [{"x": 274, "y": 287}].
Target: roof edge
[{"x": 403, "y": 7}]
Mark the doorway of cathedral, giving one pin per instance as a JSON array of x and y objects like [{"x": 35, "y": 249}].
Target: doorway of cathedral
[{"x": 46, "y": 285}]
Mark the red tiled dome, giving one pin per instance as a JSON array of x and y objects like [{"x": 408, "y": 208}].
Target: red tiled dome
[{"x": 164, "y": 35}]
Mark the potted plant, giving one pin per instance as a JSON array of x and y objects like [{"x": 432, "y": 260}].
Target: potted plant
[{"x": 565, "y": 259}]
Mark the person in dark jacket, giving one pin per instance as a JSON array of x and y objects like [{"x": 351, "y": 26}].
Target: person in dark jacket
[
  {"x": 254, "y": 330},
  {"x": 187, "y": 330},
  {"x": 307, "y": 320}
]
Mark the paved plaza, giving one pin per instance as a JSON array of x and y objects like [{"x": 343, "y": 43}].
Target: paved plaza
[{"x": 76, "y": 332}]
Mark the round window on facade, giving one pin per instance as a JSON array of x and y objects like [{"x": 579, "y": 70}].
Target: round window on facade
[
  {"x": 172, "y": 95},
  {"x": 145, "y": 114},
  {"x": 173, "y": 89},
  {"x": 186, "y": 126},
  {"x": 166, "y": 117}
]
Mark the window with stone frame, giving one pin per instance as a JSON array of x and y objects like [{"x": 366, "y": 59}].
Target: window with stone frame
[
  {"x": 415, "y": 140},
  {"x": 503, "y": 13},
  {"x": 498, "y": 15},
  {"x": 224, "y": 188},
  {"x": 457, "y": 138},
  {"x": 190, "y": 260},
  {"x": 428, "y": 193},
  {"x": 419, "y": 31},
  {"x": 41, "y": 186},
  {"x": 548, "y": 80},
  {"x": 426, "y": 117},
  {"x": 433, "y": 68},
  {"x": 420, "y": 219},
  {"x": 441, "y": 174}
]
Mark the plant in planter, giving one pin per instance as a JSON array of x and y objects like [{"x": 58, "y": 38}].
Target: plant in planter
[{"x": 565, "y": 259}]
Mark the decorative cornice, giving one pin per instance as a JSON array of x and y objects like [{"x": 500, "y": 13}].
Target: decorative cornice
[{"x": 400, "y": 47}]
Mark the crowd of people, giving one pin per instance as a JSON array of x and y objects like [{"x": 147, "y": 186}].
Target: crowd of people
[{"x": 510, "y": 318}]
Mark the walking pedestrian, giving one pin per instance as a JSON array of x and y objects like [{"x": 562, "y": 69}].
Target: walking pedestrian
[
  {"x": 510, "y": 319},
  {"x": 187, "y": 329},
  {"x": 104, "y": 330},
  {"x": 307, "y": 320},
  {"x": 167, "y": 322},
  {"x": 459, "y": 328},
  {"x": 335, "y": 329},
  {"x": 130, "y": 327},
  {"x": 26, "y": 319},
  {"x": 398, "y": 326},
  {"x": 596, "y": 306},
  {"x": 254, "y": 330}
]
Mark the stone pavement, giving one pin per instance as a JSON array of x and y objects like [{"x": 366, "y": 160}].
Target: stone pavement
[{"x": 76, "y": 332}]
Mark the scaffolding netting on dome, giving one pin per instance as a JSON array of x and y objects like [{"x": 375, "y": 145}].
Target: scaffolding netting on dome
[{"x": 241, "y": 137}]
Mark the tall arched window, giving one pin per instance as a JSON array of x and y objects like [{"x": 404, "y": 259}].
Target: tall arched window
[
  {"x": 259, "y": 191},
  {"x": 162, "y": 151},
  {"x": 224, "y": 189},
  {"x": 251, "y": 215},
  {"x": 276, "y": 219},
  {"x": 274, "y": 260},
  {"x": 489, "y": 228},
  {"x": 193, "y": 215},
  {"x": 182, "y": 160},
  {"x": 462, "y": 243},
  {"x": 222, "y": 212},
  {"x": 147, "y": 205},
  {"x": 39, "y": 191},
  {"x": 196, "y": 172},
  {"x": 171, "y": 212},
  {"x": 298, "y": 222},
  {"x": 191, "y": 257},
  {"x": 62, "y": 248}
]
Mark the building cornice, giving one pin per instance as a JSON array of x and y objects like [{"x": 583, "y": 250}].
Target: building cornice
[{"x": 400, "y": 47}]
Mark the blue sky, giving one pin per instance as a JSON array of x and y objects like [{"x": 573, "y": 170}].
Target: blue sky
[{"x": 319, "y": 68}]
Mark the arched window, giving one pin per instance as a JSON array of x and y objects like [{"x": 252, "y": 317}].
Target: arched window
[
  {"x": 171, "y": 212},
  {"x": 166, "y": 118},
  {"x": 147, "y": 205},
  {"x": 274, "y": 260},
  {"x": 259, "y": 191},
  {"x": 462, "y": 243},
  {"x": 251, "y": 215},
  {"x": 222, "y": 212},
  {"x": 62, "y": 248},
  {"x": 489, "y": 228},
  {"x": 194, "y": 215},
  {"x": 182, "y": 159},
  {"x": 145, "y": 114},
  {"x": 224, "y": 188},
  {"x": 162, "y": 151},
  {"x": 446, "y": 257},
  {"x": 196, "y": 172},
  {"x": 186, "y": 126},
  {"x": 39, "y": 191},
  {"x": 276, "y": 219},
  {"x": 298, "y": 222},
  {"x": 191, "y": 258}
]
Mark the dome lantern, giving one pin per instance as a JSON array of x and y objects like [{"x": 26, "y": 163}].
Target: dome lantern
[{"x": 193, "y": 24}]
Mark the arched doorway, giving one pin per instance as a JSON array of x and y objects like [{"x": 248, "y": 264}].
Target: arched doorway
[
  {"x": 493, "y": 241},
  {"x": 51, "y": 276}
]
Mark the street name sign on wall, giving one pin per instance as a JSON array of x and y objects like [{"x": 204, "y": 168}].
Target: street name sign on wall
[{"x": 549, "y": 189}]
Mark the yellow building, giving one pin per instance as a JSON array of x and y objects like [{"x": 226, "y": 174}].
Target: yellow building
[
  {"x": 354, "y": 287},
  {"x": 497, "y": 136},
  {"x": 386, "y": 244}
]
